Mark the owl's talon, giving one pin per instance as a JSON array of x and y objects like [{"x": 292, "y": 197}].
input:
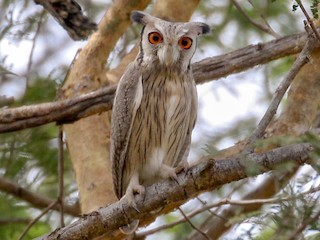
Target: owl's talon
[
  {"x": 174, "y": 177},
  {"x": 134, "y": 205},
  {"x": 182, "y": 167},
  {"x": 169, "y": 172},
  {"x": 132, "y": 193}
]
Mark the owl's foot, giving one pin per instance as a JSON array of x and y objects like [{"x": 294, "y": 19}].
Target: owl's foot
[
  {"x": 168, "y": 172},
  {"x": 134, "y": 190},
  {"x": 183, "y": 166}
]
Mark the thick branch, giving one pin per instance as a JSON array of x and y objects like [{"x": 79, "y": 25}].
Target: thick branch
[
  {"x": 247, "y": 57},
  {"x": 63, "y": 110},
  {"x": 34, "y": 199},
  {"x": 101, "y": 100},
  {"x": 70, "y": 16},
  {"x": 165, "y": 196}
]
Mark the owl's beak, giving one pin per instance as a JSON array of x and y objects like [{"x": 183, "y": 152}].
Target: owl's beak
[{"x": 168, "y": 55}]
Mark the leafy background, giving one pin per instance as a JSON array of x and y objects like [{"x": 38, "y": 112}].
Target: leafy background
[{"x": 35, "y": 54}]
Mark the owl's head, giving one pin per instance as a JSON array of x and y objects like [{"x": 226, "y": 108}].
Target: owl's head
[{"x": 169, "y": 43}]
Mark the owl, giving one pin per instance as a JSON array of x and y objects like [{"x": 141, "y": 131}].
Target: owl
[{"x": 155, "y": 107}]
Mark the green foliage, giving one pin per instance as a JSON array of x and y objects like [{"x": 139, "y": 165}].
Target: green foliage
[
  {"x": 280, "y": 220},
  {"x": 314, "y": 8},
  {"x": 29, "y": 157},
  {"x": 266, "y": 234},
  {"x": 10, "y": 208},
  {"x": 40, "y": 90},
  {"x": 210, "y": 150}
]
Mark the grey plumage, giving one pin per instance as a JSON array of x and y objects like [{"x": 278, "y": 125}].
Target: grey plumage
[{"x": 155, "y": 107}]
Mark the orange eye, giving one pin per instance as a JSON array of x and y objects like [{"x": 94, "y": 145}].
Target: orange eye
[
  {"x": 155, "y": 38},
  {"x": 185, "y": 42}
]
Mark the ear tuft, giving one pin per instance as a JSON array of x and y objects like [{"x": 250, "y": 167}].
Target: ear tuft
[
  {"x": 205, "y": 28},
  {"x": 137, "y": 16},
  {"x": 198, "y": 28}
]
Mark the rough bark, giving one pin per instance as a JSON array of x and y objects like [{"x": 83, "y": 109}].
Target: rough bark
[
  {"x": 70, "y": 16},
  {"x": 163, "y": 197}
]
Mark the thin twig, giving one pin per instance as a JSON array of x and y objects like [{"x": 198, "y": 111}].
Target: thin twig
[
  {"x": 265, "y": 28},
  {"x": 160, "y": 228},
  {"x": 265, "y": 21},
  {"x": 69, "y": 69},
  {"x": 192, "y": 225},
  {"x": 234, "y": 189},
  {"x": 301, "y": 60},
  {"x": 314, "y": 29},
  {"x": 37, "y": 218},
  {"x": 206, "y": 222},
  {"x": 256, "y": 201},
  {"x": 170, "y": 225},
  {"x": 36, "y": 200},
  {"x": 226, "y": 201},
  {"x": 33, "y": 47},
  {"x": 209, "y": 210},
  {"x": 60, "y": 175},
  {"x": 303, "y": 225}
]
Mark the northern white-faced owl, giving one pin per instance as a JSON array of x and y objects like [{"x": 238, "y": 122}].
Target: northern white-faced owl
[{"x": 155, "y": 106}]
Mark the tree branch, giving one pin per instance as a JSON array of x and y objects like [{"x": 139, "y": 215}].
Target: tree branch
[
  {"x": 70, "y": 16},
  {"x": 265, "y": 28},
  {"x": 223, "y": 202},
  {"x": 166, "y": 195},
  {"x": 64, "y": 111},
  {"x": 300, "y": 61},
  {"x": 244, "y": 58},
  {"x": 4, "y": 221},
  {"x": 297, "y": 117},
  {"x": 60, "y": 111},
  {"x": 303, "y": 225},
  {"x": 47, "y": 209},
  {"x": 192, "y": 225},
  {"x": 33, "y": 198}
]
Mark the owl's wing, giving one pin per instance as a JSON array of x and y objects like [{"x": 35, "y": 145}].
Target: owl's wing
[
  {"x": 184, "y": 152},
  {"x": 127, "y": 101}
]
